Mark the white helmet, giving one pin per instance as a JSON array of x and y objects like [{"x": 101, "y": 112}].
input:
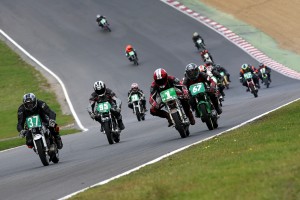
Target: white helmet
[
  {"x": 100, "y": 88},
  {"x": 98, "y": 16},
  {"x": 195, "y": 34}
]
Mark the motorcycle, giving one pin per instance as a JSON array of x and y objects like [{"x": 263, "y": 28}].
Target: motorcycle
[
  {"x": 225, "y": 80},
  {"x": 200, "y": 44},
  {"x": 104, "y": 24},
  {"x": 249, "y": 79},
  {"x": 137, "y": 107},
  {"x": 108, "y": 122},
  {"x": 207, "y": 58},
  {"x": 174, "y": 108},
  {"x": 133, "y": 58},
  {"x": 43, "y": 140},
  {"x": 205, "y": 107},
  {"x": 264, "y": 76}
]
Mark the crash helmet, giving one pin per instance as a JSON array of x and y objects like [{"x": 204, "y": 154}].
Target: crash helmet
[
  {"x": 134, "y": 87},
  {"x": 202, "y": 68},
  {"x": 195, "y": 34},
  {"x": 129, "y": 48},
  {"x": 100, "y": 88},
  {"x": 29, "y": 101},
  {"x": 218, "y": 67},
  {"x": 160, "y": 77},
  {"x": 261, "y": 65},
  {"x": 192, "y": 71},
  {"x": 244, "y": 66},
  {"x": 98, "y": 16}
]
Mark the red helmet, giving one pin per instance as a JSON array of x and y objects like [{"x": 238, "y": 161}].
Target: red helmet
[
  {"x": 134, "y": 87},
  {"x": 160, "y": 77},
  {"x": 129, "y": 48},
  {"x": 202, "y": 68}
]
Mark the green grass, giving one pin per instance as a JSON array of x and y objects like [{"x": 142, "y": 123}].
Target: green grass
[
  {"x": 258, "y": 161},
  {"x": 16, "y": 79}
]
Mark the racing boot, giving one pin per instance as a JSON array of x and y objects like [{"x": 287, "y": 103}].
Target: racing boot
[
  {"x": 120, "y": 122},
  {"x": 191, "y": 118},
  {"x": 170, "y": 121},
  {"x": 58, "y": 141}
]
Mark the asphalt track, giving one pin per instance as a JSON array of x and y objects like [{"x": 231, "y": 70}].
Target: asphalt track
[{"x": 63, "y": 36}]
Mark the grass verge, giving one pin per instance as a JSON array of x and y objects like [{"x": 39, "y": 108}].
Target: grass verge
[
  {"x": 16, "y": 79},
  {"x": 258, "y": 161}
]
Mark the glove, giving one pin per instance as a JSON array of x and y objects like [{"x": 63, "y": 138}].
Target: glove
[
  {"x": 52, "y": 123},
  {"x": 22, "y": 133},
  {"x": 92, "y": 115}
]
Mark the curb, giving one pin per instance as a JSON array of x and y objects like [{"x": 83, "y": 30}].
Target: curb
[{"x": 235, "y": 39}]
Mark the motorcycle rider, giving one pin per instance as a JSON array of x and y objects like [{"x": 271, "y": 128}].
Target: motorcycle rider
[
  {"x": 135, "y": 90},
  {"x": 248, "y": 68},
  {"x": 196, "y": 37},
  {"x": 102, "y": 93},
  {"x": 163, "y": 81},
  {"x": 219, "y": 79},
  {"x": 206, "y": 56},
  {"x": 33, "y": 106},
  {"x": 222, "y": 69},
  {"x": 193, "y": 75},
  {"x": 268, "y": 71},
  {"x": 99, "y": 18},
  {"x": 128, "y": 49}
]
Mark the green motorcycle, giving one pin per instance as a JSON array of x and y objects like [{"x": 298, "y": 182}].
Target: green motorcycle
[
  {"x": 174, "y": 108},
  {"x": 44, "y": 142},
  {"x": 205, "y": 107},
  {"x": 108, "y": 122}
]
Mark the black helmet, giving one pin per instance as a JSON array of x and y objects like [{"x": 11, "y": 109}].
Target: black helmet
[
  {"x": 192, "y": 71},
  {"x": 29, "y": 101},
  {"x": 100, "y": 88}
]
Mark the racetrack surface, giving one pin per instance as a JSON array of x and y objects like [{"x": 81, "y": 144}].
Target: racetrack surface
[{"x": 63, "y": 35}]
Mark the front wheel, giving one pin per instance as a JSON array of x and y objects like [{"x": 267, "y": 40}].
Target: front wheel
[
  {"x": 179, "y": 125},
  {"x": 206, "y": 117},
  {"x": 138, "y": 114},
  {"x": 108, "y": 132},
  {"x": 42, "y": 154}
]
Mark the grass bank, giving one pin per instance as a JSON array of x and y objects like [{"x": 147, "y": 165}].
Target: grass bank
[
  {"x": 258, "y": 161},
  {"x": 16, "y": 79}
]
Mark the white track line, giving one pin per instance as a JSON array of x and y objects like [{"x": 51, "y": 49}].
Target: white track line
[{"x": 50, "y": 72}]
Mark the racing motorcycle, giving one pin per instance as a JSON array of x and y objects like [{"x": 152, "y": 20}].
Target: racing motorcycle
[
  {"x": 205, "y": 107},
  {"x": 200, "y": 44},
  {"x": 108, "y": 122},
  {"x": 264, "y": 76},
  {"x": 133, "y": 58},
  {"x": 44, "y": 142},
  {"x": 105, "y": 24},
  {"x": 249, "y": 79},
  {"x": 225, "y": 80},
  {"x": 174, "y": 108},
  {"x": 207, "y": 58},
  {"x": 137, "y": 107}
]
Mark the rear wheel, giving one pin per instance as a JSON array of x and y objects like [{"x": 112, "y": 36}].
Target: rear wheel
[
  {"x": 42, "y": 154},
  {"x": 108, "y": 133},
  {"x": 207, "y": 117},
  {"x": 178, "y": 125}
]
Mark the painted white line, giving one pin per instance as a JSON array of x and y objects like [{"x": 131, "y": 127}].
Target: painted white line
[
  {"x": 50, "y": 72},
  {"x": 173, "y": 152},
  {"x": 177, "y": 6}
]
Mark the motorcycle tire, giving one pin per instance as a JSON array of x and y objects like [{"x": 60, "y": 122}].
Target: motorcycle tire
[
  {"x": 207, "y": 118},
  {"x": 40, "y": 149},
  {"x": 138, "y": 115},
  {"x": 178, "y": 125},
  {"x": 108, "y": 133}
]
